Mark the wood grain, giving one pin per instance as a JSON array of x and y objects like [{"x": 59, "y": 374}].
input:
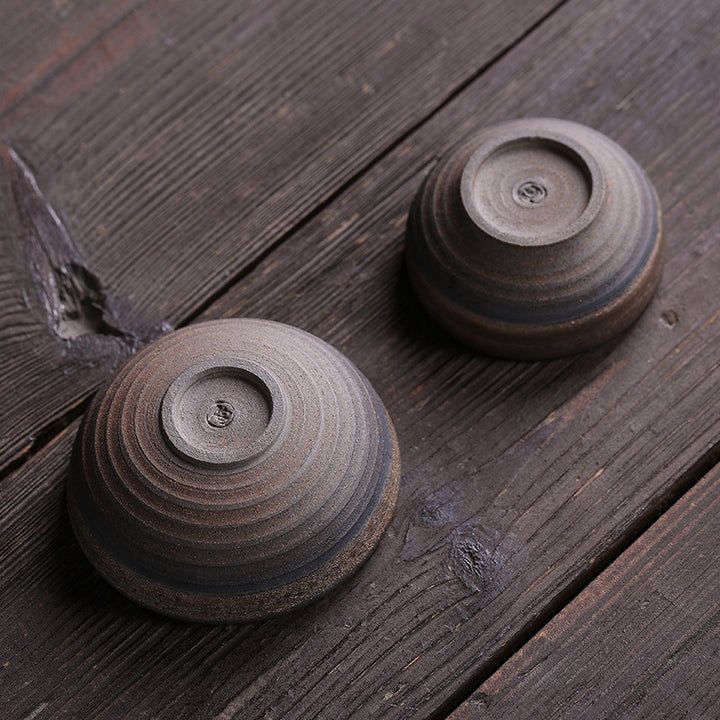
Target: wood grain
[
  {"x": 38, "y": 39},
  {"x": 519, "y": 479},
  {"x": 642, "y": 641},
  {"x": 186, "y": 142}
]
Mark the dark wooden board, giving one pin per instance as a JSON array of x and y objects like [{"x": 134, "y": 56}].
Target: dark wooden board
[
  {"x": 642, "y": 641},
  {"x": 38, "y": 39},
  {"x": 170, "y": 154},
  {"x": 519, "y": 479}
]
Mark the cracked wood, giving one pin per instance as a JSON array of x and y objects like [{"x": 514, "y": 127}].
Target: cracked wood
[{"x": 72, "y": 296}]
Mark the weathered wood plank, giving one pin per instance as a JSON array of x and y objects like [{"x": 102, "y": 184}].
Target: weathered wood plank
[
  {"x": 39, "y": 38},
  {"x": 642, "y": 641},
  {"x": 519, "y": 478},
  {"x": 185, "y": 143}
]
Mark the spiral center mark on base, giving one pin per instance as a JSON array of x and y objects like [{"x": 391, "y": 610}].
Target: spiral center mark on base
[
  {"x": 220, "y": 414},
  {"x": 529, "y": 193}
]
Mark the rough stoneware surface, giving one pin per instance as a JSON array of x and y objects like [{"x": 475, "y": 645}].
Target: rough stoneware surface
[
  {"x": 535, "y": 238},
  {"x": 232, "y": 470}
]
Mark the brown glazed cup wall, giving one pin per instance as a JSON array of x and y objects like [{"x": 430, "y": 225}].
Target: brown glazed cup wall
[
  {"x": 233, "y": 470},
  {"x": 535, "y": 238}
]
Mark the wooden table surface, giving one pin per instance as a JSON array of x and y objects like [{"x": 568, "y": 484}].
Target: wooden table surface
[{"x": 554, "y": 552}]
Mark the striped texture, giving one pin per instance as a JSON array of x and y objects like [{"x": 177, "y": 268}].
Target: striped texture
[
  {"x": 217, "y": 542},
  {"x": 570, "y": 291}
]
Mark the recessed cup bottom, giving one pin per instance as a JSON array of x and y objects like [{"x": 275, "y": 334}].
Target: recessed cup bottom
[
  {"x": 528, "y": 190},
  {"x": 222, "y": 412}
]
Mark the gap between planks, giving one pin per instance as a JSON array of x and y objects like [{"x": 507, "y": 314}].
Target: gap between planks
[
  {"x": 46, "y": 434},
  {"x": 131, "y": 174},
  {"x": 365, "y": 169},
  {"x": 704, "y": 465}
]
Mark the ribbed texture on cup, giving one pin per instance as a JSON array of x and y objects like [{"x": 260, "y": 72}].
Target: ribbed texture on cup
[
  {"x": 530, "y": 300},
  {"x": 216, "y": 542}
]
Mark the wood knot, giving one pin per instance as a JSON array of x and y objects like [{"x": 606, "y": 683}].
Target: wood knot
[{"x": 472, "y": 562}]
